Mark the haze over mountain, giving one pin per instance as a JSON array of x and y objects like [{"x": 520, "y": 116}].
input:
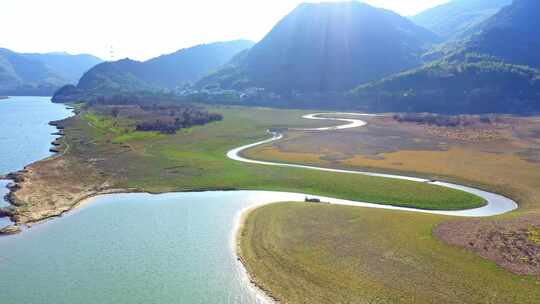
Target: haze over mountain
[
  {"x": 164, "y": 72},
  {"x": 458, "y": 17},
  {"x": 327, "y": 47},
  {"x": 512, "y": 35},
  {"x": 494, "y": 71},
  {"x": 348, "y": 56},
  {"x": 40, "y": 74}
]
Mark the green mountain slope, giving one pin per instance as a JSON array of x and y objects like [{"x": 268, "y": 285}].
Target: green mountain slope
[
  {"x": 513, "y": 35},
  {"x": 494, "y": 71},
  {"x": 458, "y": 17},
  {"x": 327, "y": 47}
]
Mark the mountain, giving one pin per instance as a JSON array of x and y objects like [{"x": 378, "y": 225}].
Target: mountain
[
  {"x": 473, "y": 86},
  {"x": 497, "y": 70},
  {"x": 458, "y": 17},
  {"x": 40, "y": 74},
  {"x": 70, "y": 67},
  {"x": 164, "y": 72},
  {"x": 327, "y": 47},
  {"x": 512, "y": 35}
]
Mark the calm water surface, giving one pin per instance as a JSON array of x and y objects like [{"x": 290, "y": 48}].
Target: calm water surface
[
  {"x": 131, "y": 248},
  {"x": 26, "y": 134},
  {"x": 125, "y": 248}
]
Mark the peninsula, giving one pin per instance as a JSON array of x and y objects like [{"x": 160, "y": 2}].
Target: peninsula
[{"x": 111, "y": 148}]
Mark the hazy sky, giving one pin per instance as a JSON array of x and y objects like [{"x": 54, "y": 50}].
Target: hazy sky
[{"x": 141, "y": 29}]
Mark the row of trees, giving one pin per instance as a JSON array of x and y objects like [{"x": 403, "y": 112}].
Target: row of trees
[
  {"x": 445, "y": 120},
  {"x": 188, "y": 118}
]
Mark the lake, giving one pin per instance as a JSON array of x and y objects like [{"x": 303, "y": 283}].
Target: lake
[
  {"x": 26, "y": 134},
  {"x": 143, "y": 248},
  {"x": 122, "y": 248},
  {"x": 131, "y": 248}
]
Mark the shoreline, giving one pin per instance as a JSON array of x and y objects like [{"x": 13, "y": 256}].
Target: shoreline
[
  {"x": 495, "y": 204},
  {"x": 86, "y": 199},
  {"x": 246, "y": 277},
  {"x": 14, "y": 179},
  {"x": 262, "y": 296}
]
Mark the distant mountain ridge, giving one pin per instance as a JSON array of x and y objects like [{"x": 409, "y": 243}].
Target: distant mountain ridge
[
  {"x": 163, "y": 72},
  {"x": 70, "y": 67},
  {"x": 348, "y": 56},
  {"x": 512, "y": 35},
  {"x": 327, "y": 47},
  {"x": 497, "y": 70},
  {"x": 458, "y": 18},
  {"x": 40, "y": 74}
]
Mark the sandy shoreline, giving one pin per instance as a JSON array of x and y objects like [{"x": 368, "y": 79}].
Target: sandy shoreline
[{"x": 262, "y": 296}]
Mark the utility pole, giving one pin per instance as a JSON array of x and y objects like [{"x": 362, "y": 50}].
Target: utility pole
[{"x": 112, "y": 53}]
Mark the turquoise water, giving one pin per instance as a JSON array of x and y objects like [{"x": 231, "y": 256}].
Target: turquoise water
[
  {"x": 124, "y": 248},
  {"x": 130, "y": 248}
]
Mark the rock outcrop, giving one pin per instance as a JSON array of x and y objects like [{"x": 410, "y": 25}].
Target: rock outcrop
[{"x": 12, "y": 229}]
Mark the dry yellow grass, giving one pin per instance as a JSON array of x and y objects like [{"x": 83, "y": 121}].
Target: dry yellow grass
[
  {"x": 506, "y": 172},
  {"x": 500, "y": 165},
  {"x": 306, "y": 253},
  {"x": 503, "y": 172}
]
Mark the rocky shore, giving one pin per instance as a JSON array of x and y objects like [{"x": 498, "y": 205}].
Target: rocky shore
[
  {"x": 48, "y": 188},
  {"x": 40, "y": 192},
  {"x": 12, "y": 229}
]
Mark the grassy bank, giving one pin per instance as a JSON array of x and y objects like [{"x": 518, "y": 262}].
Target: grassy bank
[
  {"x": 194, "y": 159},
  {"x": 503, "y": 158},
  {"x": 307, "y": 253}
]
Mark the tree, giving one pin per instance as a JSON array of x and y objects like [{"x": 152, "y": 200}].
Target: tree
[{"x": 115, "y": 112}]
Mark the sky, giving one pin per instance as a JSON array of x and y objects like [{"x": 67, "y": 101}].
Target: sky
[{"x": 142, "y": 29}]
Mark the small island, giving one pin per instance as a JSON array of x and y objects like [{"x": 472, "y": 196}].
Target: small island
[{"x": 3, "y": 97}]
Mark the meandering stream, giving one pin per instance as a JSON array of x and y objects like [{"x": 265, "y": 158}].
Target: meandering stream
[
  {"x": 167, "y": 248},
  {"x": 496, "y": 204}
]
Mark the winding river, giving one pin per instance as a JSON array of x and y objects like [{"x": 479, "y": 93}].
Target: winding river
[
  {"x": 166, "y": 248},
  {"x": 496, "y": 204}
]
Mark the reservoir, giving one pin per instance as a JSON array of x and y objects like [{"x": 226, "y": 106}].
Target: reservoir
[
  {"x": 144, "y": 248},
  {"x": 132, "y": 248},
  {"x": 26, "y": 134},
  {"x": 123, "y": 248}
]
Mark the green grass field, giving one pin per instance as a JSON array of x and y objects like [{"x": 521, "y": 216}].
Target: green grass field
[
  {"x": 308, "y": 253},
  {"x": 195, "y": 159},
  {"x": 305, "y": 253}
]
